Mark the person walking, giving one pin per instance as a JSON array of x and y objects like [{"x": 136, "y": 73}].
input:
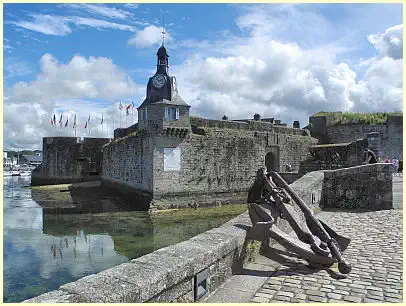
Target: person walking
[{"x": 395, "y": 164}]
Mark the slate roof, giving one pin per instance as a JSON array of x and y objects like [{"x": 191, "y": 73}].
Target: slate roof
[
  {"x": 177, "y": 100},
  {"x": 33, "y": 158}
]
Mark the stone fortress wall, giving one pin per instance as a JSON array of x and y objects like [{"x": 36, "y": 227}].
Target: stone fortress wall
[
  {"x": 390, "y": 135},
  {"x": 217, "y": 163},
  {"x": 128, "y": 161},
  {"x": 69, "y": 159}
]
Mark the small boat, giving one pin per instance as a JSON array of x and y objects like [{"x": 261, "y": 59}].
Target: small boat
[
  {"x": 25, "y": 173},
  {"x": 15, "y": 173}
]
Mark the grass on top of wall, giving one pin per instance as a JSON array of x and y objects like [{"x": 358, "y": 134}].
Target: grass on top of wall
[{"x": 349, "y": 118}]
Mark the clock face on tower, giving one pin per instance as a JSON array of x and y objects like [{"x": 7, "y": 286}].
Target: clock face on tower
[{"x": 158, "y": 80}]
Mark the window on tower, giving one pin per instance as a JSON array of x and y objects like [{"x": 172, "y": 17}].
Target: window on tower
[
  {"x": 162, "y": 61},
  {"x": 171, "y": 113}
]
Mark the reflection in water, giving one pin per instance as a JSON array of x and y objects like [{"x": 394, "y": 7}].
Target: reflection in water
[{"x": 53, "y": 237}]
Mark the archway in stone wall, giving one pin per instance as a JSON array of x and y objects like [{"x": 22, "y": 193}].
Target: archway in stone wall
[{"x": 271, "y": 162}]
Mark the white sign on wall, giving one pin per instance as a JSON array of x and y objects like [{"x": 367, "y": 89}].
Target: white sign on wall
[{"x": 172, "y": 159}]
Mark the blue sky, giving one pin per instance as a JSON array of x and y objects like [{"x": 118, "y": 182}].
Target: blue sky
[
  {"x": 284, "y": 61},
  {"x": 191, "y": 23}
]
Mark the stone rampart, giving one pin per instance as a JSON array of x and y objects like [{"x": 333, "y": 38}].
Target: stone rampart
[
  {"x": 249, "y": 125},
  {"x": 127, "y": 162},
  {"x": 366, "y": 187},
  {"x": 69, "y": 159},
  {"x": 217, "y": 167},
  {"x": 390, "y": 135}
]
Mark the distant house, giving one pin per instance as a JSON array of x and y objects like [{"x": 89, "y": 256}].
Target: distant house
[
  {"x": 32, "y": 160},
  {"x": 8, "y": 162}
]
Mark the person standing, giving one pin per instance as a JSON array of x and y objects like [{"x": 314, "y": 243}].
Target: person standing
[
  {"x": 387, "y": 160},
  {"x": 395, "y": 164}
]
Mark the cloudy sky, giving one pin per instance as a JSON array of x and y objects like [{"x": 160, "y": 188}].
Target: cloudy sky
[{"x": 283, "y": 61}]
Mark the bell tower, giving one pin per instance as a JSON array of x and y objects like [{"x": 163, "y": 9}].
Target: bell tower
[
  {"x": 162, "y": 61},
  {"x": 163, "y": 107}
]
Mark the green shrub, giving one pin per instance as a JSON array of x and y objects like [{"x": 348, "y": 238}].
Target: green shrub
[{"x": 253, "y": 248}]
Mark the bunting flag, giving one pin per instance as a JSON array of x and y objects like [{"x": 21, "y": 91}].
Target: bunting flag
[
  {"x": 88, "y": 119},
  {"x": 86, "y": 125},
  {"x": 74, "y": 122},
  {"x": 133, "y": 104},
  {"x": 67, "y": 123},
  {"x": 127, "y": 108},
  {"x": 101, "y": 120},
  {"x": 60, "y": 120},
  {"x": 54, "y": 120},
  {"x": 120, "y": 107}
]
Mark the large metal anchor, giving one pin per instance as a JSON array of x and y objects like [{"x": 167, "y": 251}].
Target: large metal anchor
[{"x": 317, "y": 243}]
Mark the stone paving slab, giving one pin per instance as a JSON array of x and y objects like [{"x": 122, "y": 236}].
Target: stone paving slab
[{"x": 375, "y": 253}]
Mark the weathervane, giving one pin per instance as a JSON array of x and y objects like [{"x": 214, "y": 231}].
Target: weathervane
[{"x": 163, "y": 29}]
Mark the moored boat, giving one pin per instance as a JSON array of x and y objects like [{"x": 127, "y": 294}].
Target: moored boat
[
  {"x": 15, "y": 173},
  {"x": 25, "y": 173}
]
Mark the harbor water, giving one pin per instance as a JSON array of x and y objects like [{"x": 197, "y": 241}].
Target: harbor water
[{"x": 56, "y": 235}]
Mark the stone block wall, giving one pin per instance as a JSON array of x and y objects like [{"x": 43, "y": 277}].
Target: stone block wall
[
  {"x": 394, "y": 142},
  {"x": 366, "y": 187},
  {"x": 390, "y": 134},
  {"x": 213, "y": 169},
  {"x": 156, "y": 121},
  {"x": 248, "y": 125},
  {"x": 128, "y": 162},
  {"x": 318, "y": 127},
  {"x": 68, "y": 159},
  {"x": 218, "y": 167}
]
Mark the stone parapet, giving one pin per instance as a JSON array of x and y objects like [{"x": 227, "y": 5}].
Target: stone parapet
[
  {"x": 366, "y": 187},
  {"x": 248, "y": 125}
]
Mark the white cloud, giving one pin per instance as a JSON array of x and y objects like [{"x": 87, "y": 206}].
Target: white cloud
[
  {"x": 148, "y": 37},
  {"x": 6, "y": 45},
  {"x": 81, "y": 86},
  {"x": 14, "y": 67},
  {"x": 381, "y": 87},
  {"x": 62, "y": 26},
  {"x": 100, "y": 24},
  {"x": 390, "y": 42},
  {"x": 101, "y": 10},
  {"x": 46, "y": 24},
  {"x": 132, "y": 5},
  {"x": 259, "y": 72}
]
